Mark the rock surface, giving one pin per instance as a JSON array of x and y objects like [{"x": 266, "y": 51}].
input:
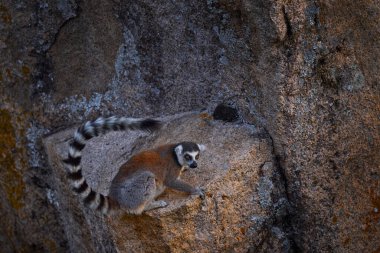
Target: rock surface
[
  {"x": 305, "y": 71},
  {"x": 244, "y": 195}
]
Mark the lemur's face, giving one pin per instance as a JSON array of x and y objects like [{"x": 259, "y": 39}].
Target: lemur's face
[{"x": 188, "y": 154}]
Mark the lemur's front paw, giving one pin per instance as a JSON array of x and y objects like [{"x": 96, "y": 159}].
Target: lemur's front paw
[{"x": 200, "y": 192}]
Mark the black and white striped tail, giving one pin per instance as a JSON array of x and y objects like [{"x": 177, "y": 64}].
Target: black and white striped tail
[{"x": 87, "y": 131}]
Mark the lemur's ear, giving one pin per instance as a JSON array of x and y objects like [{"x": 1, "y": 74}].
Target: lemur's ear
[
  {"x": 178, "y": 150},
  {"x": 201, "y": 147}
]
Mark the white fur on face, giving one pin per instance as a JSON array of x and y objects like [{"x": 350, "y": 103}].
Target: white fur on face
[
  {"x": 181, "y": 154},
  {"x": 178, "y": 152},
  {"x": 193, "y": 155}
]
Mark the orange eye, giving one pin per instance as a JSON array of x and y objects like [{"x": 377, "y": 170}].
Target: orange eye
[
  {"x": 197, "y": 156},
  {"x": 187, "y": 157}
]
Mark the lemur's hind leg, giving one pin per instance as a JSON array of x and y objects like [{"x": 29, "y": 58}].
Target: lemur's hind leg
[
  {"x": 137, "y": 193},
  {"x": 153, "y": 204}
]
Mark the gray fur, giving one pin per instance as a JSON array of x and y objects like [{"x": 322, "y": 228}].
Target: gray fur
[{"x": 135, "y": 190}]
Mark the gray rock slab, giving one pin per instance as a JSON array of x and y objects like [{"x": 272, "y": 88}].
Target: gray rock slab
[{"x": 236, "y": 171}]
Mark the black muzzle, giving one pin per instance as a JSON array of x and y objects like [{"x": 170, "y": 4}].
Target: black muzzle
[{"x": 193, "y": 165}]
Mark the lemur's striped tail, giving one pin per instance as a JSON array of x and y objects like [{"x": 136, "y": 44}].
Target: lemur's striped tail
[{"x": 87, "y": 131}]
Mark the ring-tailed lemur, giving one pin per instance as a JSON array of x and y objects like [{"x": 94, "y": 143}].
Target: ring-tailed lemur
[{"x": 142, "y": 178}]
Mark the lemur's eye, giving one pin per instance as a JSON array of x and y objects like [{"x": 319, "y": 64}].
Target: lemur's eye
[
  {"x": 197, "y": 156},
  {"x": 187, "y": 157}
]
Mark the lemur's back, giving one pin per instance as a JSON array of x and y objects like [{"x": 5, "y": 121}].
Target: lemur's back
[{"x": 160, "y": 161}]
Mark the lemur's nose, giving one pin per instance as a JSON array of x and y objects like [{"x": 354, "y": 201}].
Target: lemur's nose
[{"x": 193, "y": 165}]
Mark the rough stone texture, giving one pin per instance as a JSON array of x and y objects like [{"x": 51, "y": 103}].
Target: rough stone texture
[
  {"x": 95, "y": 31},
  {"x": 306, "y": 71},
  {"x": 244, "y": 195},
  {"x": 322, "y": 111}
]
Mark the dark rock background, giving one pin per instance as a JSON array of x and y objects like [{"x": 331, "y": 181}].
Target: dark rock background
[{"x": 305, "y": 71}]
